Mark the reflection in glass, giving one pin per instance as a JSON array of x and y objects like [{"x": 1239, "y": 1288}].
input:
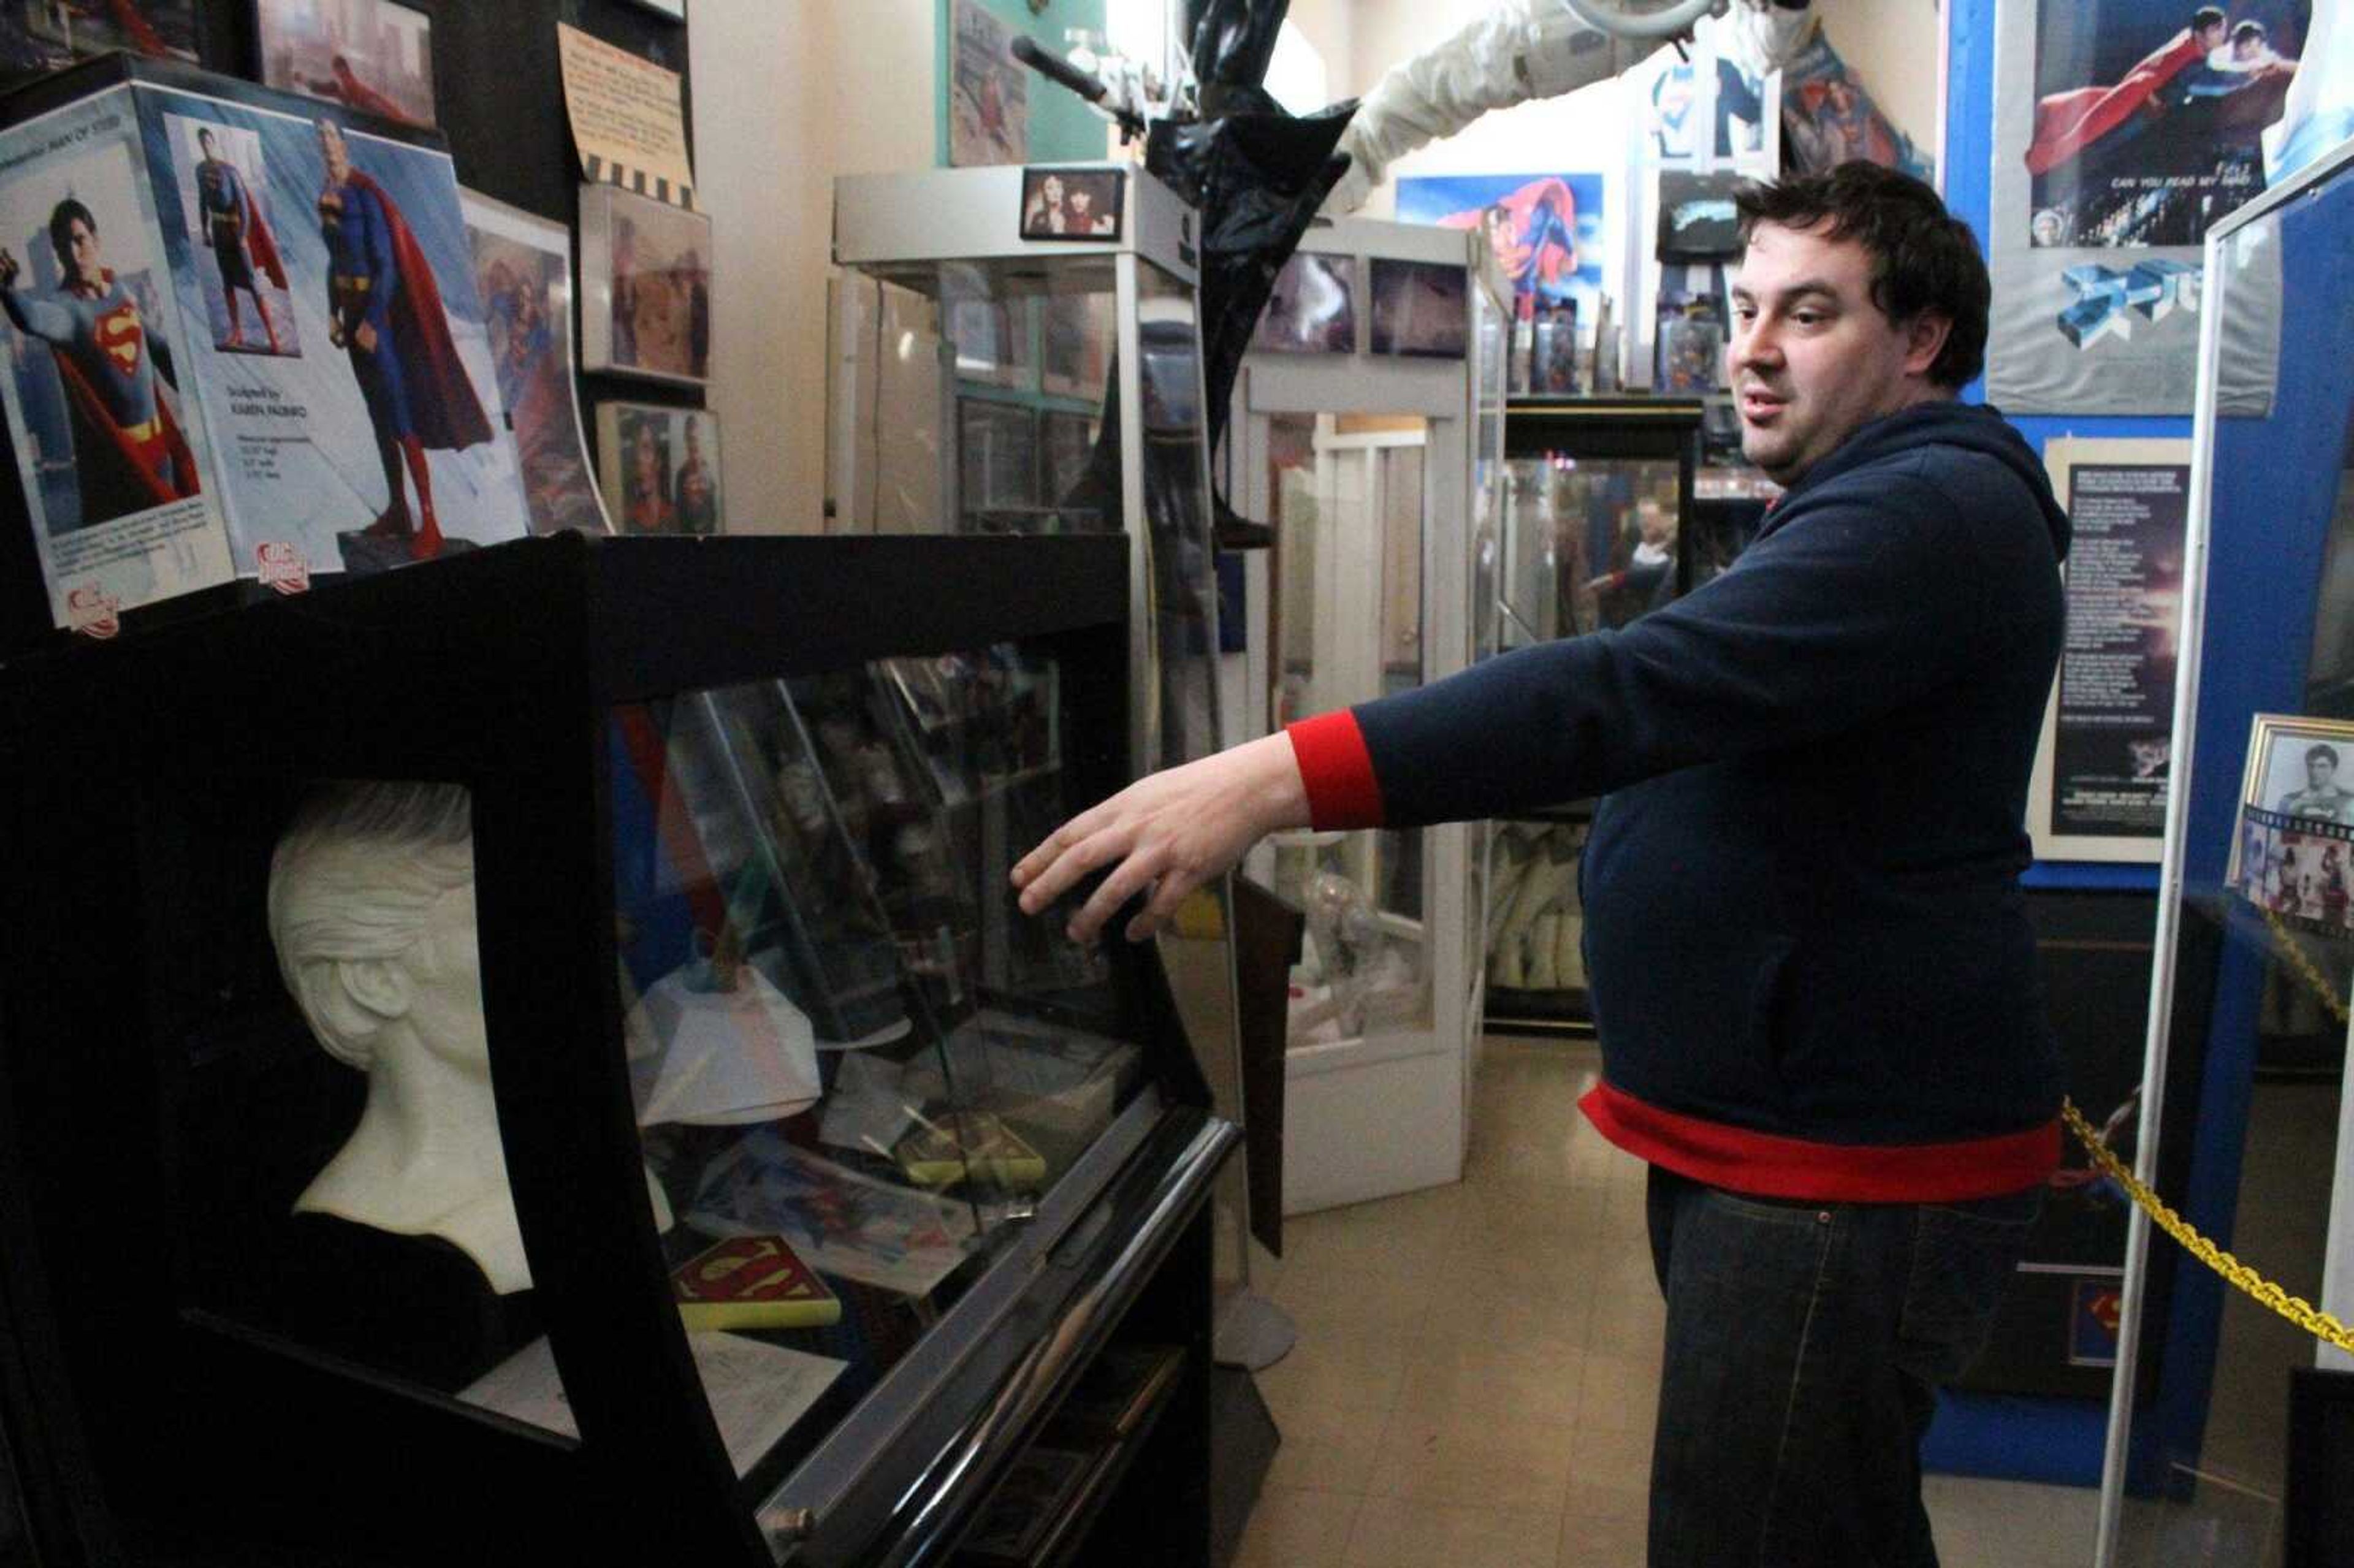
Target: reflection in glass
[
  {"x": 857, "y": 1062},
  {"x": 2253, "y": 1042}
]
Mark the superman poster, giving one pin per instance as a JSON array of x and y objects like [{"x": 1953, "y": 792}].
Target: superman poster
[
  {"x": 357, "y": 426},
  {"x": 104, "y": 421},
  {"x": 2124, "y": 130},
  {"x": 1546, "y": 230}
]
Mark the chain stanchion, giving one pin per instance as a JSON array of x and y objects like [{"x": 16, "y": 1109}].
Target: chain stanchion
[{"x": 2296, "y": 1309}]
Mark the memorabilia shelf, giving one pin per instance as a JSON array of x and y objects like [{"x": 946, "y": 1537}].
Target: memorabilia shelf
[{"x": 705, "y": 842}]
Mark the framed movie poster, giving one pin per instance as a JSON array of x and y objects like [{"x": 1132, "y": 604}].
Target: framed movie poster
[
  {"x": 523, "y": 271},
  {"x": 989, "y": 90},
  {"x": 661, "y": 468},
  {"x": 2104, "y": 766},
  {"x": 369, "y": 55},
  {"x": 158, "y": 29},
  {"x": 645, "y": 287},
  {"x": 2124, "y": 130}
]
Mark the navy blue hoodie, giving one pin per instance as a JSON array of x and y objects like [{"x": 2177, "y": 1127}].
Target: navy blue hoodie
[{"x": 1811, "y": 970}]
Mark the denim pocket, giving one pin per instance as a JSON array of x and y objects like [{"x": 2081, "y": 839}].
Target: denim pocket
[{"x": 1964, "y": 1255}]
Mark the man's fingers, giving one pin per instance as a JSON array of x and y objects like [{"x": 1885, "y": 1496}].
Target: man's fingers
[
  {"x": 1071, "y": 833},
  {"x": 1126, "y": 881},
  {"x": 1073, "y": 863},
  {"x": 1174, "y": 888}
]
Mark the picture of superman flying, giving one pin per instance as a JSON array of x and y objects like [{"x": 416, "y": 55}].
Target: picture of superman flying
[
  {"x": 1544, "y": 228},
  {"x": 386, "y": 312},
  {"x": 128, "y": 454}
]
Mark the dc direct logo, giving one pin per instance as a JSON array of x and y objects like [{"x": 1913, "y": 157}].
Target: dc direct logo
[
  {"x": 283, "y": 567},
  {"x": 93, "y": 612}
]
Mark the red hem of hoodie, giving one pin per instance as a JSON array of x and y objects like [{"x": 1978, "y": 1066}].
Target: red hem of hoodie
[
  {"x": 1767, "y": 1166},
  {"x": 1343, "y": 791}
]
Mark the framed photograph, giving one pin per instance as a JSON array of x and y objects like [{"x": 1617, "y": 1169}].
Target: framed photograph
[
  {"x": 1422, "y": 309},
  {"x": 989, "y": 91},
  {"x": 645, "y": 287},
  {"x": 1072, "y": 204},
  {"x": 523, "y": 271},
  {"x": 2293, "y": 853},
  {"x": 659, "y": 466},
  {"x": 1313, "y": 309},
  {"x": 369, "y": 55},
  {"x": 163, "y": 29}
]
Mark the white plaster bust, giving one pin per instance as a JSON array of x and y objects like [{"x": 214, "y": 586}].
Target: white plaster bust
[{"x": 372, "y": 911}]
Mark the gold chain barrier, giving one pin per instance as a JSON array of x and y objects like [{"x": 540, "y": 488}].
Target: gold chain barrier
[{"x": 2296, "y": 1309}]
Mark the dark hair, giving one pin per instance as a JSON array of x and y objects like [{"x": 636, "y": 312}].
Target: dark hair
[
  {"x": 2206, "y": 16},
  {"x": 2322, "y": 754},
  {"x": 1922, "y": 256},
  {"x": 61, "y": 221},
  {"x": 204, "y": 132},
  {"x": 2249, "y": 31}
]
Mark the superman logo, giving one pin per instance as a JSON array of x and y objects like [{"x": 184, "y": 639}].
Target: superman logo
[{"x": 119, "y": 337}]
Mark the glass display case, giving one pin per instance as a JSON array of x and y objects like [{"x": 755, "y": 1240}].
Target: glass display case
[
  {"x": 588, "y": 1086},
  {"x": 1369, "y": 465},
  {"x": 1599, "y": 526},
  {"x": 2242, "y": 1122}
]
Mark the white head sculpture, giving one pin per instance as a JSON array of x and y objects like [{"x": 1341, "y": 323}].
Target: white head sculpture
[{"x": 372, "y": 911}]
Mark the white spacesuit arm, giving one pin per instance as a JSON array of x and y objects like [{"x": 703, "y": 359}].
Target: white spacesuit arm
[{"x": 1521, "y": 51}]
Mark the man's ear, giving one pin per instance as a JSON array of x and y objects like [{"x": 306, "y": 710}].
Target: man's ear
[
  {"x": 377, "y": 988},
  {"x": 1925, "y": 339}
]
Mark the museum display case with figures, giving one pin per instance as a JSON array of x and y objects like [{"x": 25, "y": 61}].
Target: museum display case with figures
[
  {"x": 564, "y": 1074},
  {"x": 1599, "y": 526},
  {"x": 1367, "y": 431},
  {"x": 2242, "y": 1121}
]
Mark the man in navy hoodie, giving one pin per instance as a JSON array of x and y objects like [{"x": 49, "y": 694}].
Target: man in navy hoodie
[{"x": 1840, "y": 1071}]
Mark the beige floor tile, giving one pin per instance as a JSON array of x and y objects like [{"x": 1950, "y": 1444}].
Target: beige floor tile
[
  {"x": 1468, "y": 1378},
  {"x": 2010, "y": 1524},
  {"x": 1391, "y": 1532},
  {"x": 1547, "y": 1313},
  {"x": 1298, "y": 1530},
  {"x": 1327, "y": 1451},
  {"x": 1610, "y": 1542},
  {"x": 1609, "y": 1473},
  {"x": 1629, "y": 1321},
  {"x": 1486, "y": 1463},
  {"x": 1339, "y": 1365},
  {"x": 1619, "y": 1394}
]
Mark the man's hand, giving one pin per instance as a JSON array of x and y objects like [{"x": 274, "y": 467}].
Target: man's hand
[
  {"x": 7, "y": 269},
  {"x": 1172, "y": 831},
  {"x": 365, "y": 338}
]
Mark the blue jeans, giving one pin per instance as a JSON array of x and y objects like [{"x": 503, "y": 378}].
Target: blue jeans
[{"x": 1805, "y": 1346}]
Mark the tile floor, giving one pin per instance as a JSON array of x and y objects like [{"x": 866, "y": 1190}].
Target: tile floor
[{"x": 1474, "y": 1382}]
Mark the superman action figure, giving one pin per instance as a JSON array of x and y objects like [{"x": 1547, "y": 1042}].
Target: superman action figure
[
  {"x": 129, "y": 453},
  {"x": 387, "y": 312}
]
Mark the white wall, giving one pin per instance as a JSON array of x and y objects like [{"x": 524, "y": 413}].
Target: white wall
[{"x": 787, "y": 95}]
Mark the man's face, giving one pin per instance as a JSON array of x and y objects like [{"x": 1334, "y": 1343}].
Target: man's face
[
  {"x": 205, "y": 141},
  {"x": 2320, "y": 772},
  {"x": 338, "y": 158},
  {"x": 2211, "y": 36},
  {"x": 80, "y": 258},
  {"x": 1811, "y": 358}
]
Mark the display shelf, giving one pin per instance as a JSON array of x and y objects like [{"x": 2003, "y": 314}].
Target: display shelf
[{"x": 529, "y": 1387}]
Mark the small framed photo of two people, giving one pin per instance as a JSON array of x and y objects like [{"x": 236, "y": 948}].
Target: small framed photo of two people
[
  {"x": 1072, "y": 204},
  {"x": 661, "y": 468},
  {"x": 645, "y": 287},
  {"x": 2293, "y": 853}
]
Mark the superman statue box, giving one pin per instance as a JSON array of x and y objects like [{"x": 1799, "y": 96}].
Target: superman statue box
[{"x": 243, "y": 342}]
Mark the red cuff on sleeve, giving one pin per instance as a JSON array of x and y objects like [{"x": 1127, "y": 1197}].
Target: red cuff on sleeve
[{"x": 1338, "y": 771}]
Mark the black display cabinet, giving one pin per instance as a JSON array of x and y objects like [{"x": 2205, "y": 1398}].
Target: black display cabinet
[
  {"x": 1601, "y": 526},
  {"x": 777, "y": 779}
]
